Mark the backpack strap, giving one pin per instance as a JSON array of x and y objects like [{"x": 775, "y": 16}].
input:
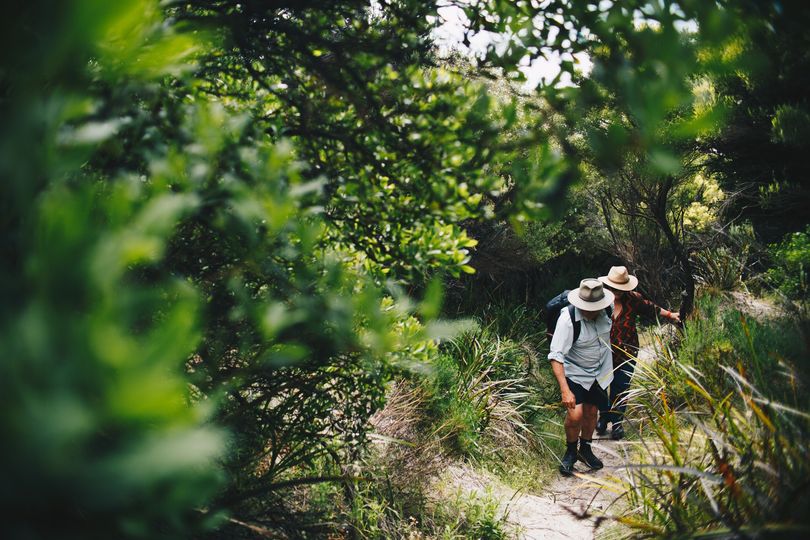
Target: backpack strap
[{"x": 577, "y": 324}]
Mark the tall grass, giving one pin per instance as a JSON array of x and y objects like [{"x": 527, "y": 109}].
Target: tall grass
[
  {"x": 725, "y": 422},
  {"x": 480, "y": 386},
  {"x": 489, "y": 391}
]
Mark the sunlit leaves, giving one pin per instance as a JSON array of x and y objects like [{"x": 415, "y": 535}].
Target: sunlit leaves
[
  {"x": 402, "y": 147},
  {"x": 790, "y": 125}
]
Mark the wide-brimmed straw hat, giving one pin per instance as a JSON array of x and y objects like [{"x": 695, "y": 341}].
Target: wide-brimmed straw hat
[
  {"x": 619, "y": 278},
  {"x": 591, "y": 295}
]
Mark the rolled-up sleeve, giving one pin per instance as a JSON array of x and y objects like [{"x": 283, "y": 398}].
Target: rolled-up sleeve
[{"x": 563, "y": 338}]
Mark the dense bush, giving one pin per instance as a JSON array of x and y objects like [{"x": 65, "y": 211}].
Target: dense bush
[{"x": 480, "y": 387}]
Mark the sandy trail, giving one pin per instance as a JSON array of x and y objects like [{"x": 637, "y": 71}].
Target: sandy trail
[{"x": 569, "y": 508}]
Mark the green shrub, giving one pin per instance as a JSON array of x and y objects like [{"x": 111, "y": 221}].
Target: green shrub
[
  {"x": 399, "y": 504},
  {"x": 720, "y": 268},
  {"x": 474, "y": 374},
  {"x": 479, "y": 518},
  {"x": 102, "y": 434},
  {"x": 791, "y": 260},
  {"x": 480, "y": 381}
]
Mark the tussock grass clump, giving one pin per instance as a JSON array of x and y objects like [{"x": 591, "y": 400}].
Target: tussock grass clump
[
  {"x": 480, "y": 388},
  {"x": 725, "y": 421},
  {"x": 489, "y": 399}
]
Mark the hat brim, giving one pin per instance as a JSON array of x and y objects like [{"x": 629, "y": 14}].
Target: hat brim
[
  {"x": 629, "y": 286},
  {"x": 573, "y": 297}
]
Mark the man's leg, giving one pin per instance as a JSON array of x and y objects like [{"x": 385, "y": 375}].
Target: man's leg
[
  {"x": 573, "y": 423},
  {"x": 590, "y": 412},
  {"x": 573, "y": 427}
]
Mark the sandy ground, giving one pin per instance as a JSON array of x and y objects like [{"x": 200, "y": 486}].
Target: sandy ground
[
  {"x": 758, "y": 308},
  {"x": 569, "y": 508}
]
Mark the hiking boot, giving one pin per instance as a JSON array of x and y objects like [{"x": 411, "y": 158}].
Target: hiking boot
[
  {"x": 617, "y": 432},
  {"x": 586, "y": 456},
  {"x": 601, "y": 427},
  {"x": 568, "y": 460}
]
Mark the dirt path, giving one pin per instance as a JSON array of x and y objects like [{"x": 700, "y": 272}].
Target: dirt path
[
  {"x": 569, "y": 508},
  {"x": 757, "y": 308}
]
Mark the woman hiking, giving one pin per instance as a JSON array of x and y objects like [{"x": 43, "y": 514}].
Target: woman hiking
[{"x": 627, "y": 305}]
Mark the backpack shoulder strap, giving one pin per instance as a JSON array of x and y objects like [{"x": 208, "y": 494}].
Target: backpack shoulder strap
[{"x": 576, "y": 324}]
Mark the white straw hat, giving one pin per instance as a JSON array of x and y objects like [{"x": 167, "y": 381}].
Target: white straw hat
[
  {"x": 591, "y": 295},
  {"x": 618, "y": 278}
]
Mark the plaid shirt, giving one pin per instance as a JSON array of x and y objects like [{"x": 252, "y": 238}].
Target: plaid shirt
[{"x": 623, "y": 333}]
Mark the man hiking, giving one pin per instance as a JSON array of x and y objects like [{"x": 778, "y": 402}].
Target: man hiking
[{"x": 583, "y": 367}]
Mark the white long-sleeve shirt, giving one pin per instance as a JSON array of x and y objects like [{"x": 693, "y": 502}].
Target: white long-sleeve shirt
[{"x": 590, "y": 358}]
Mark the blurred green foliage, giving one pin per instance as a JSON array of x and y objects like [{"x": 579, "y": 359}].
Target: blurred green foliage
[
  {"x": 101, "y": 437},
  {"x": 579, "y": 232}
]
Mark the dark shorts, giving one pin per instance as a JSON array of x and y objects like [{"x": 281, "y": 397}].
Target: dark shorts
[{"x": 595, "y": 396}]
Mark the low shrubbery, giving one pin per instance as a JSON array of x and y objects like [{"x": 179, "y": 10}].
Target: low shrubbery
[
  {"x": 724, "y": 421},
  {"x": 791, "y": 260},
  {"x": 480, "y": 387},
  {"x": 457, "y": 516}
]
